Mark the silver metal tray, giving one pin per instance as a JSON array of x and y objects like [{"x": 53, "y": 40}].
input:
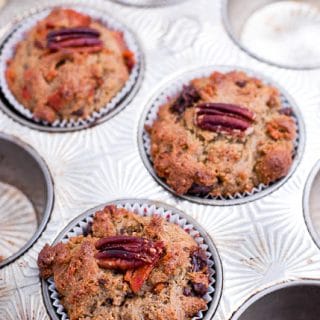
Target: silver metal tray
[{"x": 263, "y": 244}]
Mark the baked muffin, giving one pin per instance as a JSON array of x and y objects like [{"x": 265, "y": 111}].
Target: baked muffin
[
  {"x": 128, "y": 267},
  {"x": 223, "y": 134},
  {"x": 68, "y": 66}
]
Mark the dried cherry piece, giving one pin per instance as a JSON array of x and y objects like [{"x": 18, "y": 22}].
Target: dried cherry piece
[
  {"x": 199, "y": 289},
  {"x": 286, "y": 111},
  {"x": 186, "y": 99},
  {"x": 199, "y": 190},
  {"x": 199, "y": 260}
]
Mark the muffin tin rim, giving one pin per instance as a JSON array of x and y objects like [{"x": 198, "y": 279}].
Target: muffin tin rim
[
  {"x": 273, "y": 288},
  {"x": 124, "y": 102},
  {"x": 227, "y": 26},
  {"x": 306, "y": 207},
  {"x": 212, "y": 306},
  {"x": 49, "y": 195},
  {"x": 223, "y": 202}
]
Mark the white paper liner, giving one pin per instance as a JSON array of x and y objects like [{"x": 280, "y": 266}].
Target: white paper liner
[
  {"x": 175, "y": 88},
  {"x": 143, "y": 210},
  {"x": 28, "y": 23}
]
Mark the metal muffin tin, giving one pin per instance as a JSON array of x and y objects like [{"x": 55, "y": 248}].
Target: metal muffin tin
[
  {"x": 259, "y": 191},
  {"x": 262, "y": 244},
  {"x": 86, "y": 216}
]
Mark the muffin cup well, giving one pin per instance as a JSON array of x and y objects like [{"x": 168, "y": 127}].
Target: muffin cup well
[
  {"x": 285, "y": 301},
  {"x": 26, "y": 193},
  {"x": 118, "y": 102},
  {"x": 311, "y": 203},
  {"x": 143, "y": 208},
  {"x": 236, "y": 15},
  {"x": 174, "y": 87}
]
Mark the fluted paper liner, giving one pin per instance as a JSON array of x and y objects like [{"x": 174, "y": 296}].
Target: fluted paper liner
[
  {"x": 173, "y": 89},
  {"x": 143, "y": 209},
  {"x": 28, "y": 23}
]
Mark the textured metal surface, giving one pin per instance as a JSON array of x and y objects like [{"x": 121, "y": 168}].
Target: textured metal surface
[
  {"x": 18, "y": 220},
  {"x": 261, "y": 244}
]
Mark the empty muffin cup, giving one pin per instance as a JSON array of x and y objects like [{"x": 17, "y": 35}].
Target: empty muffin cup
[
  {"x": 281, "y": 33},
  {"x": 175, "y": 86},
  {"x": 26, "y": 197},
  {"x": 17, "y": 32},
  {"x": 80, "y": 226},
  {"x": 311, "y": 204},
  {"x": 294, "y": 300}
]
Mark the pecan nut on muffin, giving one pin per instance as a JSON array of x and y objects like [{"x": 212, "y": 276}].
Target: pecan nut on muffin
[
  {"x": 223, "y": 134},
  {"x": 68, "y": 66},
  {"x": 128, "y": 267}
]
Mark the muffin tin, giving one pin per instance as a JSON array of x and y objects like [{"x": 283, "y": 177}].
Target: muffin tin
[{"x": 263, "y": 244}]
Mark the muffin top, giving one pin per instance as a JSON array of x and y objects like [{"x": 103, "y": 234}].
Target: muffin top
[
  {"x": 68, "y": 66},
  {"x": 128, "y": 267},
  {"x": 223, "y": 134}
]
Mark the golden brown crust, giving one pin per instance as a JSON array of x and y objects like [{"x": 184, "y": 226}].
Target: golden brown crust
[
  {"x": 274, "y": 162},
  {"x": 190, "y": 158},
  {"x": 69, "y": 83},
  {"x": 173, "y": 290}
]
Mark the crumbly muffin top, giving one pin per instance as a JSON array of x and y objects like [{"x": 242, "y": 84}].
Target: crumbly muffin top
[
  {"x": 128, "y": 267},
  {"x": 223, "y": 134},
  {"x": 68, "y": 66}
]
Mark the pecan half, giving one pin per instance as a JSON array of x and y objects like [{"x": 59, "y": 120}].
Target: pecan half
[
  {"x": 226, "y": 108},
  {"x": 79, "y": 37},
  {"x": 136, "y": 256},
  {"x": 126, "y": 252},
  {"x": 74, "y": 31},
  {"x": 223, "y": 117}
]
